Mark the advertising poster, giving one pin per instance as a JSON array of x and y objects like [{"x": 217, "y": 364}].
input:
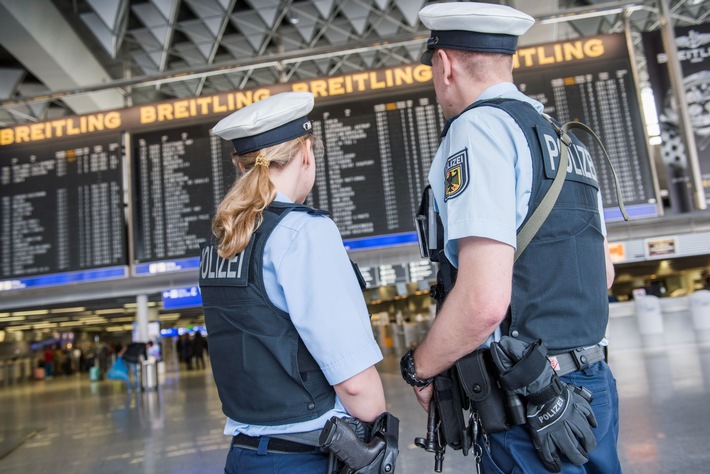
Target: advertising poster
[{"x": 693, "y": 45}]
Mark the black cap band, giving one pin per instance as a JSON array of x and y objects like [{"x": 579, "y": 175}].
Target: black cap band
[
  {"x": 470, "y": 41},
  {"x": 284, "y": 133}
]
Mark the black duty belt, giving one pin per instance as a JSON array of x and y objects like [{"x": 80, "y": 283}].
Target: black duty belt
[
  {"x": 273, "y": 445},
  {"x": 576, "y": 359}
]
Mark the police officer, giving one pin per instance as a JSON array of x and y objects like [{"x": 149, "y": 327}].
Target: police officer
[
  {"x": 290, "y": 338},
  {"x": 497, "y": 159}
]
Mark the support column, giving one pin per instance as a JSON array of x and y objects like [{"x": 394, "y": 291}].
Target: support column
[{"x": 142, "y": 317}]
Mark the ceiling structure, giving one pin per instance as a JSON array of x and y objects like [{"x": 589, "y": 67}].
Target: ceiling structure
[{"x": 68, "y": 57}]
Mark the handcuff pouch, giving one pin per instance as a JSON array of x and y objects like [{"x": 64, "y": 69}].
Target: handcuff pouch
[{"x": 478, "y": 376}]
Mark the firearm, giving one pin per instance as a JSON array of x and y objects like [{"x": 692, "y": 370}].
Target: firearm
[
  {"x": 340, "y": 438},
  {"x": 432, "y": 443}
]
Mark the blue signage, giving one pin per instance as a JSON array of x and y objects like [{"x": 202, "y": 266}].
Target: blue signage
[
  {"x": 84, "y": 276},
  {"x": 176, "y": 298}
]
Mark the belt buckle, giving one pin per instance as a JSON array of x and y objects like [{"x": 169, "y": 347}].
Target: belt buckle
[{"x": 580, "y": 358}]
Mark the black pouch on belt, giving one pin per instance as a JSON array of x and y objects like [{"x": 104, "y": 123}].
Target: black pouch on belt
[
  {"x": 451, "y": 402},
  {"x": 478, "y": 373}
]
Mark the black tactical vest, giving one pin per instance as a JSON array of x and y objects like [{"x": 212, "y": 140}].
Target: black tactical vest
[
  {"x": 263, "y": 371},
  {"x": 559, "y": 281}
]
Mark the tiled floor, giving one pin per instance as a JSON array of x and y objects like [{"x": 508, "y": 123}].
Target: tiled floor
[{"x": 71, "y": 425}]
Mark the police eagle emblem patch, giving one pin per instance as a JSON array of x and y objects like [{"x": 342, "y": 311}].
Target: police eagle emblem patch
[{"x": 456, "y": 174}]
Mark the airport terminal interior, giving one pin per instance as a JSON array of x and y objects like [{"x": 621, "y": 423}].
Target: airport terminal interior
[{"x": 109, "y": 176}]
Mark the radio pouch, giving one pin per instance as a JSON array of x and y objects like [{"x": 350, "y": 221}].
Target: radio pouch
[
  {"x": 451, "y": 403},
  {"x": 477, "y": 374}
]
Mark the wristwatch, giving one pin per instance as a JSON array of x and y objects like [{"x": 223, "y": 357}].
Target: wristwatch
[{"x": 409, "y": 373}]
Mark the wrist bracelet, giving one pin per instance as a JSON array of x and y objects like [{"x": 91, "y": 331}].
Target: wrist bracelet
[{"x": 409, "y": 373}]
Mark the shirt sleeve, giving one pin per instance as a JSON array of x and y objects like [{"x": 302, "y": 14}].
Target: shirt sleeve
[
  {"x": 493, "y": 202},
  {"x": 325, "y": 302}
]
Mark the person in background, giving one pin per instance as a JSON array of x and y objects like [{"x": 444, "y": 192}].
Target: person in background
[
  {"x": 104, "y": 355},
  {"x": 543, "y": 315},
  {"x": 184, "y": 350},
  {"x": 198, "y": 350},
  {"x": 290, "y": 338},
  {"x": 154, "y": 351},
  {"x": 48, "y": 362},
  {"x": 133, "y": 355}
]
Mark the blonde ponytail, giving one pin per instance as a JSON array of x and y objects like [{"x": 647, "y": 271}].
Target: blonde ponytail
[{"x": 241, "y": 211}]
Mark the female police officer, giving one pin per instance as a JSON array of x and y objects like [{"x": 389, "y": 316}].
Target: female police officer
[{"x": 290, "y": 340}]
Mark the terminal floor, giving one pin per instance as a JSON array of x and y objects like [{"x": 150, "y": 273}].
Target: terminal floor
[{"x": 71, "y": 425}]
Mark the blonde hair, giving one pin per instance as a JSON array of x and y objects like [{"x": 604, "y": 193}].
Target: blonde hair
[{"x": 240, "y": 212}]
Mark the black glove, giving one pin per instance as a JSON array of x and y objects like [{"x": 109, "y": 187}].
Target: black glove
[{"x": 559, "y": 416}]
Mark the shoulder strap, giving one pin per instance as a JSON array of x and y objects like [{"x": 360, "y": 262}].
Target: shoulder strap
[{"x": 538, "y": 217}]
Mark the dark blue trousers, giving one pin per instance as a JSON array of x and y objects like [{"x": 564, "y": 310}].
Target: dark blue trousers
[
  {"x": 513, "y": 451},
  {"x": 259, "y": 461}
]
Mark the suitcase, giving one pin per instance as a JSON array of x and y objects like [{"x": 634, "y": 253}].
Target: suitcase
[
  {"x": 94, "y": 373},
  {"x": 149, "y": 376}
]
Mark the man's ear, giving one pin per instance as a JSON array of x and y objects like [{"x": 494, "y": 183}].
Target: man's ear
[{"x": 445, "y": 62}]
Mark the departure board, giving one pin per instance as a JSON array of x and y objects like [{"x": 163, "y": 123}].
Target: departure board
[
  {"x": 378, "y": 154},
  {"x": 61, "y": 208},
  {"x": 600, "y": 93},
  {"x": 180, "y": 177}
]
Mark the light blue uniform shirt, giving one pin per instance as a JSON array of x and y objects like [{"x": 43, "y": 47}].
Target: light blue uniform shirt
[
  {"x": 495, "y": 199},
  {"x": 307, "y": 273}
]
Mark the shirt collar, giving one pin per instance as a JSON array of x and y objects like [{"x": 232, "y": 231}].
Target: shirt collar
[
  {"x": 503, "y": 90},
  {"x": 282, "y": 197},
  {"x": 500, "y": 90}
]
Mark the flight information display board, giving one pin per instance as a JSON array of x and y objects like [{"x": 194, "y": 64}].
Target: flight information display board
[
  {"x": 378, "y": 150},
  {"x": 597, "y": 89},
  {"x": 378, "y": 153},
  {"x": 62, "y": 212},
  {"x": 180, "y": 176}
]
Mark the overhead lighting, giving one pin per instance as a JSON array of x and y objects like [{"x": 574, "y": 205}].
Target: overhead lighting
[
  {"x": 31, "y": 313},
  {"x": 44, "y": 325},
  {"x": 579, "y": 16},
  {"x": 127, "y": 319},
  {"x": 2, "y": 315},
  {"x": 169, "y": 316},
  {"x": 93, "y": 320},
  {"x": 109, "y": 311},
  {"x": 125, "y": 327},
  {"x": 585, "y": 12},
  {"x": 134, "y": 305},
  {"x": 14, "y": 318},
  {"x": 18, "y": 328},
  {"x": 67, "y": 310}
]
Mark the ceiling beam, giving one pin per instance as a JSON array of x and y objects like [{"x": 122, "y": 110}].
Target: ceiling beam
[{"x": 39, "y": 37}]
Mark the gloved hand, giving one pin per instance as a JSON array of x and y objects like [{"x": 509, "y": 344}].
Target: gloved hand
[{"x": 559, "y": 416}]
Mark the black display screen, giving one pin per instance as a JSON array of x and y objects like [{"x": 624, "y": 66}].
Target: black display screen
[
  {"x": 180, "y": 176},
  {"x": 62, "y": 202},
  {"x": 378, "y": 153},
  {"x": 61, "y": 207},
  {"x": 600, "y": 93}
]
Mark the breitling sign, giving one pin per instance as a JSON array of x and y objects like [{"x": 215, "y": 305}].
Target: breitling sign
[
  {"x": 178, "y": 111},
  {"x": 214, "y": 106}
]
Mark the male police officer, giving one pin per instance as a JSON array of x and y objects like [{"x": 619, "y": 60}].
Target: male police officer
[{"x": 498, "y": 157}]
